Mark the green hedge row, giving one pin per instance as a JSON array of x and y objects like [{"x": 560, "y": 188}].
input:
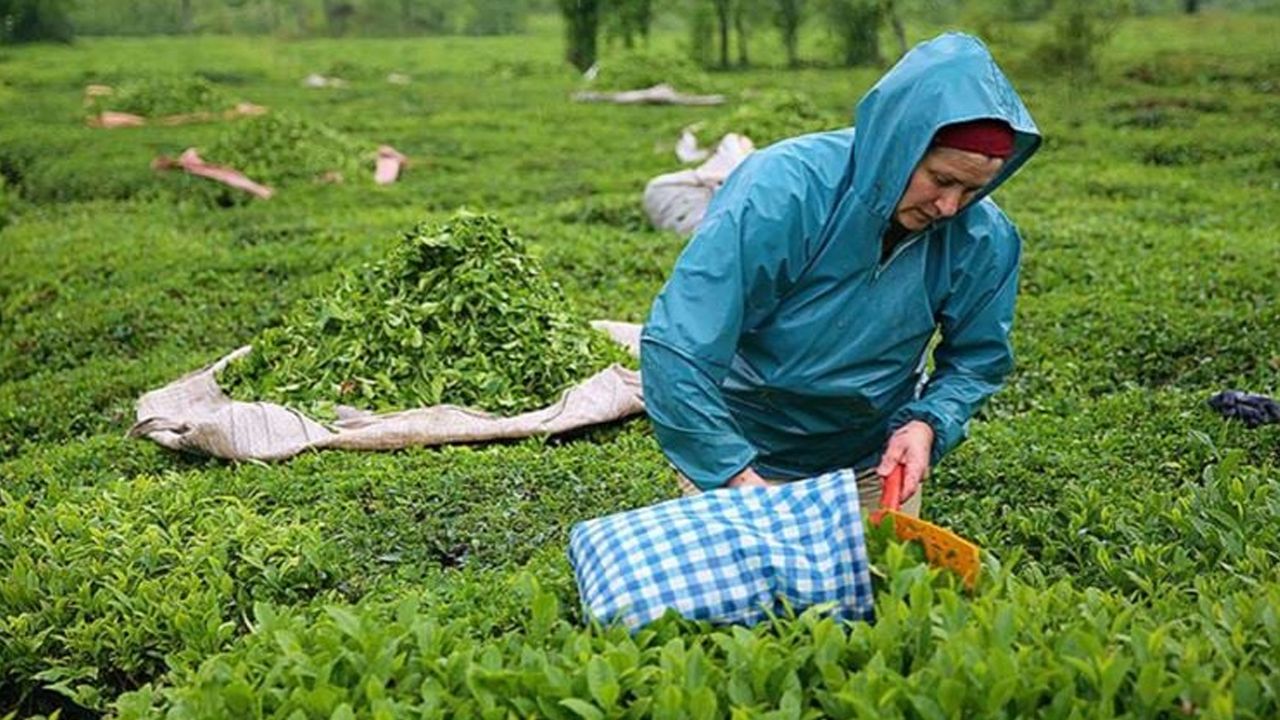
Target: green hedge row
[{"x": 1017, "y": 650}]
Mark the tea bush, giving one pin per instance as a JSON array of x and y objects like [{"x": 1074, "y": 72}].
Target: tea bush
[
  {"x": 771, "y": 115},
  {"x": 112, "y": 586},
  {"x": 1014, "y": 651}
]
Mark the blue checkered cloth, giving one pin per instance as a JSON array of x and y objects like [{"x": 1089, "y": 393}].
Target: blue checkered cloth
[{"x": 728, "y": 556}]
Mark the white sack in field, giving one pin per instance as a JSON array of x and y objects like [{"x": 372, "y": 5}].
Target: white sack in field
[
  {"x": 192, "y": 414},
  {"x": 662, "y": 94},
  {"x": 687, "y": 149},
  {"x": 677, "y": 201}
]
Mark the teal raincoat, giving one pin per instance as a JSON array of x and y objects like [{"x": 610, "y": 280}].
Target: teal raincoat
[{"x": 781, "y": 342}]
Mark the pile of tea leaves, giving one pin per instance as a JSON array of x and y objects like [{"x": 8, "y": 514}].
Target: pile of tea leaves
[
  {"x": 278, "y": 148},
  {"x": 636, "y": 70},
  {"x": 771, "y": 115},
  {"x": 456, "y": 313},
  {"x": 161, "y": 95}
]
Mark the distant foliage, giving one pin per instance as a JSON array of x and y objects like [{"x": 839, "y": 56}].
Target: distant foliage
[
  {"x": 701, "y": 24},
  {"x": 6, "y": 202},
  {"x": 629, "y": 20},
  {"x": 34, "y": 20},
  {"x": 1078, "y": 31},
  {"x": 788, "y": 15},
  {"x": 300, "y": 17},
  {"x": 856, "y": 25},
  {"x": 492, "y": 17}
]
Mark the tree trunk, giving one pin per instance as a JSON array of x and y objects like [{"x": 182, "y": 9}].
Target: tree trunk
[
  {"x": 184, "y": 16},
  {"x": 788, "y": 17},
  {"x": 899, "y": 32},
  {"x": 582, "y": 25},
  {"x": 1191, "y": 6},
  {"x": 857, "y": 21},
  {"x": 644, "y": 17},
  {"x": 740, "y": 24},
  {"x": 722, "y": 18}
]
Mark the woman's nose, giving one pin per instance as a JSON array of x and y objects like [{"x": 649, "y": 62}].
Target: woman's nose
[{"x": 948, "y": 203}]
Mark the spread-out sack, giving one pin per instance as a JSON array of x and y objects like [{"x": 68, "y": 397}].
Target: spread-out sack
[
  {"x": 193, "y": 414},
  {"x": 678, "y": 200},
  {"x": 730, "y": 556}
]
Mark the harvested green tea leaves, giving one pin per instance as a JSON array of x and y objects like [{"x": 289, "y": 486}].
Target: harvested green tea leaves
[
  {"x": 635, "y": 70},
  {"x": 160, "y": 96},
  {"x": 278, "y": 148},
  {"x": 457, "y": 313}
]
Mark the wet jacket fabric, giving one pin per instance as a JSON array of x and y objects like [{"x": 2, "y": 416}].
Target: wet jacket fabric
[{"x": 783, "y": 343}]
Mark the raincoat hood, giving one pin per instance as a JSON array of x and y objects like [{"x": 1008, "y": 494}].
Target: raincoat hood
[{"x": 947, "y": 80}]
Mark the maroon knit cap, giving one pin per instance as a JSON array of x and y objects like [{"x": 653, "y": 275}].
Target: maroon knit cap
[{"x": 993, "y": 138}]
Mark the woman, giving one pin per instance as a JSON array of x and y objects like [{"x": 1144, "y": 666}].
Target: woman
[{"x": 791, "y": 337}]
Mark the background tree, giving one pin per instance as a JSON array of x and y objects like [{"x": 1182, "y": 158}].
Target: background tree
[
  {"x": 630, "y": 20},
  {"x": 1078, "y": 32},
  {"x": 746, "y": 13},
  {"x": 788, "y": 15},
  {"x": 702, "y": 28},
  {"x": 856, "y": 24},
  {"x": 494, "y": 17},
  {"x": 724, "y": 16},
  {"x": 582, "y": 27},
  {"x": 337, "y": 13},
  {"x": 889, "y": 9},
  {"x": 33, "y": 20}
]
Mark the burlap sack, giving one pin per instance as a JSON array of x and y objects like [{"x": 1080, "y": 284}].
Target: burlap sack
[
  {"x": 192, "y": 414},
  {"x": 677, "y": 201}
]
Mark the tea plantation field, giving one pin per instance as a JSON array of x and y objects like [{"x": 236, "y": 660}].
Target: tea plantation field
[{"x": 1134, "y": 535}]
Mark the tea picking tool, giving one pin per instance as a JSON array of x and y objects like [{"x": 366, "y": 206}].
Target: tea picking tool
[{"x": 942, "y": 547}]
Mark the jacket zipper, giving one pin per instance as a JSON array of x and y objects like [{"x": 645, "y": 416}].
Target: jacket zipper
[{"x": 905, "y": 243}]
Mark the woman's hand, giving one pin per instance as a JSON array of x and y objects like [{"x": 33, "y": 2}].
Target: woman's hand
[
  {"x": 747, "y": 478},
  {"x": 910, "y": 447}
]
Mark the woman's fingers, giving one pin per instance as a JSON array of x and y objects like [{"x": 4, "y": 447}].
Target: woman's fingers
[
  {"x": 910, "y": 447},
  {"x": 892, "y": 457}
]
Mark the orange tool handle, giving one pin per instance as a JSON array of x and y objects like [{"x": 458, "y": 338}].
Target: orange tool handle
[{"x": 891, "y": 493}]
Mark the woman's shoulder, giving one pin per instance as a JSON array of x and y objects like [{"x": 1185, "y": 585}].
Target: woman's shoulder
[
  {"x": 985, "y": 231},
  {"x": 985, "y": 221},
  {"x": 808, "y": 165}
]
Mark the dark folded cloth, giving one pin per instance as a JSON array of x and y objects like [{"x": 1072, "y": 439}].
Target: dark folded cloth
[{"x": 1252, "y": 410}]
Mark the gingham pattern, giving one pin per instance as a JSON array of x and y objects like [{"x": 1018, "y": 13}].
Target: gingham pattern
[{"x": 728, "y": 556}]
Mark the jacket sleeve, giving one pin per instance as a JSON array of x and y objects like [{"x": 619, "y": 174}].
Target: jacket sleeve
[
  {"x": 744, "y": 256},
  {"x": 975, "y": 354}
]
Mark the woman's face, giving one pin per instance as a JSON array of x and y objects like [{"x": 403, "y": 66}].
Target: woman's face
[{"x": 942, "y": 184}]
